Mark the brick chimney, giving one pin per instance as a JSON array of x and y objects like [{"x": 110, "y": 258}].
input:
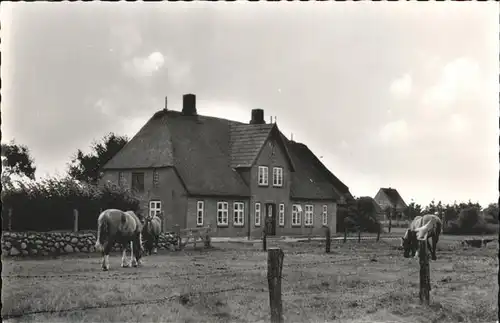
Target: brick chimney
[
  {"x": 257, "y": 116},
  {"x": 165, "y": 108},
  {"x": 189, "y": 105}
]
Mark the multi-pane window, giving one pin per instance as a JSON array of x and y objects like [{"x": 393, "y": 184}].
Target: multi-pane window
[
  {"x": 325, "y": 215},
  {"x": 281, "y": 215},
  {"x": 263, "y": 175},
  {"x": 278, "y": 176},
  {"x": 222, "y": 213},
  {"x": 138, "y": 182},
  {"x": 199, "y": 213},
  {"x": 295, "y": 214},
  {"x": 121, "y": 179},
  {"x": 156, "y": 178},
  {"x": 308, "y": 216},
  {"x": 257, "y": 214},
  {"x": 238, "y": 214},
  {"x": 154, "y": 208}
]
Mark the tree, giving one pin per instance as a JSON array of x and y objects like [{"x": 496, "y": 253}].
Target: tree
[
  {"x": 450, "y": 213},
  {"x": 431, "y": 208},
  {"x": 413, "y": 210},
  {"x": 18, "y": 159},
  {"x": 491, "y": 213},
  {"x": 468, "y": 218},
  {"x": 362, "y": 214},
  {"x": 87, "y": 167}
]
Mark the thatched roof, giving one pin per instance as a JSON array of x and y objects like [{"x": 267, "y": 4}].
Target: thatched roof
[{"x": 207, "y": 153}]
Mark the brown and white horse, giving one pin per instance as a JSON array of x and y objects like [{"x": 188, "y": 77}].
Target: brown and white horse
[
  {"x": 151, "y": 233},
  {"x": 116, "y": 226},
  {"x": 422, "y": 228}
]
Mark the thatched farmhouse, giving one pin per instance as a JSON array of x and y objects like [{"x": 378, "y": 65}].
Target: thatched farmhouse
[{"x": 240, "y": 178}]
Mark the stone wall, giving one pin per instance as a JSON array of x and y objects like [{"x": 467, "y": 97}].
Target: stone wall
[{"x": 58, "y": 243}]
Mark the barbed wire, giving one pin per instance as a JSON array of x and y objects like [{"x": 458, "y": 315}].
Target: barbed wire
[
  {"x": 209, "y": 273},
  {"x": 129, "y": 303},
  {"x": 248, "y": 287},
  {"x": 370, "y": 255}
]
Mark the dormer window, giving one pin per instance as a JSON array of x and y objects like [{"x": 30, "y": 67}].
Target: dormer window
[
  {"x": 263, "y": 176},
  {"x": 277, "y": 176}
]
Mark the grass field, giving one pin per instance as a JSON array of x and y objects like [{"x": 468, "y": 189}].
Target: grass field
[{"x": 357, "y": 282}]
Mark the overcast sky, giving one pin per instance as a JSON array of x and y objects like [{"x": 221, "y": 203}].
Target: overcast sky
[{"x": 389, "y": 94}]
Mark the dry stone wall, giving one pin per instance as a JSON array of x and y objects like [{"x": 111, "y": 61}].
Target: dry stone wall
[{"x": 57, "y": 243}]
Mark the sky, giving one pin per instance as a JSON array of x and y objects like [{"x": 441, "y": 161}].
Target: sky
[{"x": 402, "y": 95}]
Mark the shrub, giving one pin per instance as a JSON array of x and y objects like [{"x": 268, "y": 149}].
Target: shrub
[
  {"x": 480, "y": 227},
  {"x": 48, "y": 204},
  {"x": 468, "y": 217}
]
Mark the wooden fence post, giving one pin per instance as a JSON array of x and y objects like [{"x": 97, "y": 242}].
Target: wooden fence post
[
  {"x": 378, "y": 231},
  {"x": 207, "y": 237},
  {"x": 274, "y": 269},
  {"x": 10, "y": 219},
  {"x": 328, "y": 239},
  {"x": 264, "y": 239},
  {"x": 177, "y": 230},
  {"x": 345, "y": 234},
  {"x": 425, "y": 284},
  {"x": 75, "y": 220},
  {"x": 359, "y": 234}
]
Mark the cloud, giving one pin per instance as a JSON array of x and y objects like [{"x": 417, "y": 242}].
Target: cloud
[
  {"x": 460, "y": 77},
  {"x": 142, "y": 67},
  {"x": 86, "y": 72},
  {"x": 394, "y": 132},
  {"x": 401, "y": 87}
]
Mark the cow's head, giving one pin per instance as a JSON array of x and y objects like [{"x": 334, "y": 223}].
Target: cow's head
[{"x": 409, "y": 243}]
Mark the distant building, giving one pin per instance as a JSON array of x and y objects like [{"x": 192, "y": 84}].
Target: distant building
[
  {"x": 390, "y": 198},
  {"x": 197, "y": 170}
]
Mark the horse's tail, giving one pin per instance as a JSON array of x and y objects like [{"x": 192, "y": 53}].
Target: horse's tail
[{"x": 102, "y": 230}]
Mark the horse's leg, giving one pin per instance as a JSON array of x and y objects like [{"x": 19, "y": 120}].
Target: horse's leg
[
  {"x": 132, "y": 259},
  {"x": 125, "y": 264},
  {"x": 105, "y": 259},
  {"x": 137, "y": 252},
  {"x": 155, "y": 244},
  {"x": 434, "y": 246}
]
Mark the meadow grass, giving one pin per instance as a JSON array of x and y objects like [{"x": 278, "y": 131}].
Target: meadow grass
[{"x": 357, "y": 282}]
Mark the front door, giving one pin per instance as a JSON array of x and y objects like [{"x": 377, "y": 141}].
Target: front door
[{"x": 271, "y": 219}]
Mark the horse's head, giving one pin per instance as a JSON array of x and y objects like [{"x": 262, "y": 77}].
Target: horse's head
[{"x": 409, "y": 243}]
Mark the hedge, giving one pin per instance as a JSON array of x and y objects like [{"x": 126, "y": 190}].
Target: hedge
[{"x": 48, "y": 205}]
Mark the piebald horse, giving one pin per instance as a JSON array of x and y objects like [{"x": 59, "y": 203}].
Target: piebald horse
[
  {"x": 116, "y": 226},
  {"x": 422, "y": 228},
  {"x": 151, "y": 233}
]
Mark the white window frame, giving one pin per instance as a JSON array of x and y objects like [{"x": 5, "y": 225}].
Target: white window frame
[
  {"x": 309, "y": 215},
  {"x": 263, "y": 176},
  {"x": 223, "y": 210},
  {"x": 325, "y": 214},
  {"x": 238, "y": 214},
  {"x": 154, "y": 208},
  {"x": 295, "y": 215},
  {"x": 278, "y": 176},
  {"x": 200, "y": 212},
  {"x": 257, "y": 214},
  {"x": 281, "y": 215}
]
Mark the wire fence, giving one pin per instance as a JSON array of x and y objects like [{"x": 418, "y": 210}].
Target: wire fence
[{"x": 260, "y": 286}]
